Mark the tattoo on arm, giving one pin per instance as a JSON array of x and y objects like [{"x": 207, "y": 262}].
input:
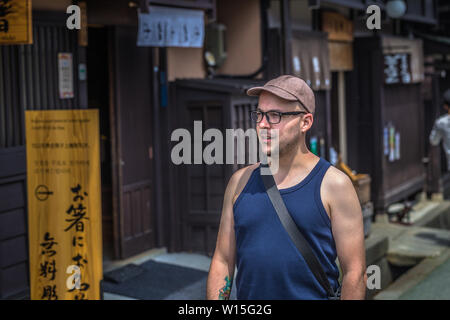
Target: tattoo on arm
[{"x": 225, "y": 291}]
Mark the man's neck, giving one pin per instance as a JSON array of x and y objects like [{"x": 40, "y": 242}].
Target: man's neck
[{"x": 299, "y": 159}]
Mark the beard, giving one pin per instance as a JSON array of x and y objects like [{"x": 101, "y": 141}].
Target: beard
[
  {"x": 289, "y": 146},
  {"x": 282, "y": 146}
]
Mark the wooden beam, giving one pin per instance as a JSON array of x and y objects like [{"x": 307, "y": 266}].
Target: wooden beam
[
  {"x": 196, "y": 4},
  {"x": 143, "y": 5},
  {"x": 286, "y": 36},
  {"x": 158, "y": 62}
]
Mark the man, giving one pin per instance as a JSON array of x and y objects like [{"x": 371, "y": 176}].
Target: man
[
  {"x": 320, "y": 198},
  {"x": 441, "y": 129}
]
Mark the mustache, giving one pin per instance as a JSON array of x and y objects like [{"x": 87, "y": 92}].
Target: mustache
[{"x": 268, "y": 134}]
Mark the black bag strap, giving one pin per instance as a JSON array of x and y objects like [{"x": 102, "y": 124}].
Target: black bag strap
[{"x": 295, "y": 234}]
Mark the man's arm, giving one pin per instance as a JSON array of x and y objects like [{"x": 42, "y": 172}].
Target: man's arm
[
  {"x": 221, "y": 271},
  {"x": 348, "y": 231},
  {"x": 436, "y": 134}
]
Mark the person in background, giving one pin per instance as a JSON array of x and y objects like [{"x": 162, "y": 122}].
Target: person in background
[{"x": 441, "y": 129}]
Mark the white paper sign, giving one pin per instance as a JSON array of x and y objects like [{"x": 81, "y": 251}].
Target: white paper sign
[
  {"x": 397, "y": 146},
  {"x": 397, "y": 68},
  {"x": 171, "y": 27},
  {"x": 65, "y": 73},
  {"x": 297, "y": 65}
]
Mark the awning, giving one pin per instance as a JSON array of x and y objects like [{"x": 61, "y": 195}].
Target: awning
[
  {"x": 310, "y": 60},
  {"x": 434, "y": 43}
]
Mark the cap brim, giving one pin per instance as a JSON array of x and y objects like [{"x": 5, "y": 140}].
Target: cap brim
[{"x": 256, "y": 91}]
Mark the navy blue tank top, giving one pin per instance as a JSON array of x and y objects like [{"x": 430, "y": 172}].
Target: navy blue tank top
[{"x": 269, "y": 266}]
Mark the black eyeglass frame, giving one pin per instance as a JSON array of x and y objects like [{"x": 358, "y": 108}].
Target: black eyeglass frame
[{"x": 281, "y": 114}]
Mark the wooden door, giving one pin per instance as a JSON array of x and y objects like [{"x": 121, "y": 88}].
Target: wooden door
[{"x": 131, "y": 125}]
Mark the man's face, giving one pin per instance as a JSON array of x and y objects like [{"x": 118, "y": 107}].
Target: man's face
[
  {"x": 446, "y": 107},
  {"x": 290, "y": 130}
]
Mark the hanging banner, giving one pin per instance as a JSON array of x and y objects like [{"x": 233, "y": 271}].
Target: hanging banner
[
  {"x": 15, "y": 22},
  {"x": 64, "y": 208},
  {"x": 397, "y": 68},
  {"x": 65, "y": 75},
  {"x": 171, "y": 27},
  {"x": 413, "y": 48}
]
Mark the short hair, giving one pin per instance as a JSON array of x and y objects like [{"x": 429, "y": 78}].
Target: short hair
[{"x": 447, "y": 97}]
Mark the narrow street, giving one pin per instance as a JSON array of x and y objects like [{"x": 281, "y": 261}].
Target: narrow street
[{"x": 144, "y": 141}]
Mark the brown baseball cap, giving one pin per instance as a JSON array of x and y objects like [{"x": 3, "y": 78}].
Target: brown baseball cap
[{"x": 289, "y": 88}]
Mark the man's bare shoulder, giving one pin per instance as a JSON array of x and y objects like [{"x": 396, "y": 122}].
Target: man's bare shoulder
[
  {"x": 336, "y": 186},
  {"x": 338, "y": 193},
  {"x": 239, "y": 179},
  {"x": 335, "y": 179}
]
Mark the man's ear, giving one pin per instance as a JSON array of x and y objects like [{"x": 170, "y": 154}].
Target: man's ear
[{"x": 307, "y": 122}]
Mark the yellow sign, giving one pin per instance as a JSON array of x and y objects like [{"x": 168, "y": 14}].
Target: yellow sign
[
  {"x": 64, "y": 208},
  {"x": 15, "y": 22}
]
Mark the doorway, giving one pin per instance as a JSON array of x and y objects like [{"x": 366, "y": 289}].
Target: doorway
[
  {"x": 120, "y": 86},
  {"x": 98, "y": 98}
]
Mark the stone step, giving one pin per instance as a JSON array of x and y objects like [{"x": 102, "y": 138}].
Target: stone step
[
  {"x": 428, "y": 280},
  {"x": 408, "y": 245}
]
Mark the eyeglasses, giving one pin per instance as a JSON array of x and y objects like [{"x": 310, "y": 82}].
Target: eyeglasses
[{"x": 273, "y": 117}]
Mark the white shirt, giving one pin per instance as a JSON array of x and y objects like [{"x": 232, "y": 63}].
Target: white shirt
[{"x": 441, "y": 130}]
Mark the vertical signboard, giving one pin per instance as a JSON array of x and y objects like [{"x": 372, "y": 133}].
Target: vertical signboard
[
  {"x": 15, "y": 22},
  {"x": 65, "y": 75},
  {"x": 64, "y": 208},
  {"x": 83, "y": 32}
]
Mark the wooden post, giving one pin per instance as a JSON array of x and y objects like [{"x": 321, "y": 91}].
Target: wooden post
[
  {"x": 342, "y": 116},
  {"x": 157, "y": 181},
  {"x": 143, "y": 5},
  {"x": 286, "y": 35}
]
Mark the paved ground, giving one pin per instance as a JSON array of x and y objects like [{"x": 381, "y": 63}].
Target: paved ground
[
  {"x": 429, "y": 280},
  {"x": 195, "y": 291},
  {"x": 436, "y": 286},
  {"x": 427, "y": 250}
]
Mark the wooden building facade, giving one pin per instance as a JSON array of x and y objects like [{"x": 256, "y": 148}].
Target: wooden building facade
[
  {"x": 28, "y": 81},
  {"x": 147, "y": 202}
]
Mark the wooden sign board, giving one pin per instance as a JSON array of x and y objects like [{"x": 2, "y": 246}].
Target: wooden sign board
[
  {"x": 15, "y": 22},
  {"x": 64, "y": 208},
  {"x": 413, "y": 47},
  {"x": 341, "y": 55},
  {"x": 339, "y": 28},
  {"x": 83, "y": 32},
  {"x": 340, "y": 40}
]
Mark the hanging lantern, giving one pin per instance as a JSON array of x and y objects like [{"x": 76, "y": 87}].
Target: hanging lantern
[{"x": 396, "y": 8}]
